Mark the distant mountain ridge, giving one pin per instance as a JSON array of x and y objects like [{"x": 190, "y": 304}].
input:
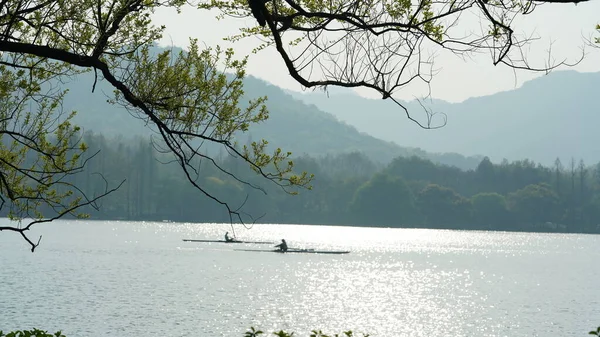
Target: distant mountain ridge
[
  {"x": 293, "y": 125},
  {"x": 552, "y": 116}
]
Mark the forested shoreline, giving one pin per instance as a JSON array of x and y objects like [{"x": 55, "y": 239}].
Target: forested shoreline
[{"x": 348, "y": 189}]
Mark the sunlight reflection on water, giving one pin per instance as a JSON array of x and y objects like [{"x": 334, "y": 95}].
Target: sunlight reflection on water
[{"x": 124, "y": 279}]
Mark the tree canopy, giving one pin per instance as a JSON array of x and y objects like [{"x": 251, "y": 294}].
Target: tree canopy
[{"x": 188, "y": 98}]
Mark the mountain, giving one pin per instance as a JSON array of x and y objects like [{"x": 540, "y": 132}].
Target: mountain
[
  {"x": 551, "y": 116},
  {"x": 293, "y": 122},
  {"x": 293, "y": 125}
]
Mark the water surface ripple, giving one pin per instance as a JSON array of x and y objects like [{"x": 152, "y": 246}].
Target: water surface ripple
[{"x": 103, "y": 278}]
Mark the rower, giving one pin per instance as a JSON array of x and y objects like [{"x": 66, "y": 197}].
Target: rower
[
  {"x": 227, "y": 238},
  {"x": 282, "y": 246}
]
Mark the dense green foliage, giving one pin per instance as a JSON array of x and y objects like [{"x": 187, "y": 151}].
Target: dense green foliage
[
  {"x": 349, "y": 189},
  {"x": 186, "y": 98}
]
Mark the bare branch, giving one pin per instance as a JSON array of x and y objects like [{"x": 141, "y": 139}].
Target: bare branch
[
  {"x": 384, "y": 46},
  {"x": 70, "y": 210}
]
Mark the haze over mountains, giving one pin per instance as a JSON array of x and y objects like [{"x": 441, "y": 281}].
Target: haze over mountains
[
  {"x": 552, "y": 116},
  {"x": 293, "y": 125}
]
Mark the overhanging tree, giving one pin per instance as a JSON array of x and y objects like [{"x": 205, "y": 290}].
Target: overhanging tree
[
  {"x": 185, "y": 98},
  {"x": 39, "y": 148},
  {"x": 386, "y": 45}
]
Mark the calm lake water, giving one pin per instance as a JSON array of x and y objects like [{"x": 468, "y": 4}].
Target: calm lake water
[{"x": 104, "y": 278}]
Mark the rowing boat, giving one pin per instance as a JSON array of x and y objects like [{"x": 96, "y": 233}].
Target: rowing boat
[
  {"x": 295, "y": 250},
  {"x": 223, "y": 241}
]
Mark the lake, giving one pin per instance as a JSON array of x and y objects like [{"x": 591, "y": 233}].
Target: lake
[{"x": 108, "y": 278}]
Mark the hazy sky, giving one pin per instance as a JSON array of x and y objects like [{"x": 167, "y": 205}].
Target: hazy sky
[{"x": 565, "y": 25}]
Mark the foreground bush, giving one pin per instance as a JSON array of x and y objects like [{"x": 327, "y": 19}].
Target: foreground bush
[
  {"x": 315, "y": 333},
  {"x": 250, "y": 333},
  {"x": 31, "y": 333}
]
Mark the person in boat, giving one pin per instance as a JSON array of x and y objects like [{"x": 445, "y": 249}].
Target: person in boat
[
  {"x": 282, "y": 246},
  {"x": 227, "y": 238}
]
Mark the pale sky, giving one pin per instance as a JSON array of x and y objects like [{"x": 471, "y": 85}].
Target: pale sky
[{"x": 565, "y": 25}]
